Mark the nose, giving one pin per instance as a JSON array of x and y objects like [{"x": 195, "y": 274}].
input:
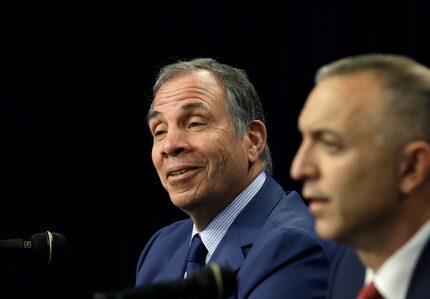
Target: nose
[
  {"x": 174, "y": 143},
  {"x": 303, "y": 166}
]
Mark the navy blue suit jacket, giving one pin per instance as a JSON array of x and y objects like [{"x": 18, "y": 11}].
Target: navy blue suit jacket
[
  {"x": 271, "y": 245},
  {"x": 348, "y": 276}
]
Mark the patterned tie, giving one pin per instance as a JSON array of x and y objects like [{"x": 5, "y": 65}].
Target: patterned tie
[
  {"x": 196, "y": 255},
  {"x": 369, "y": 292}
]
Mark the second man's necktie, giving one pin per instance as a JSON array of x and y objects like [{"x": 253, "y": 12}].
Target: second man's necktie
[{"x": 369, "y": 292}]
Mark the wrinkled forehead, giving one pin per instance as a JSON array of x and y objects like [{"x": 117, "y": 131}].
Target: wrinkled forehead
[
  {"x": 193, "y": 77},
  {"x": 195, "y": 90}
]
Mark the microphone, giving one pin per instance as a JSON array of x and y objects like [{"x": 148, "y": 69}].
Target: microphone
[
  {"x": 45, "y": 247},
  {"x": 212, "y": 282}
]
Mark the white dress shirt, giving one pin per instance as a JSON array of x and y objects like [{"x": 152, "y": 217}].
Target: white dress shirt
[
  {"x": 393, "y": 278},
  {"x": 213, "y": 233}
]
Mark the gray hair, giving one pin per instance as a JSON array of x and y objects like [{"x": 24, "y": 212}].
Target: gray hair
[
  {"x": 406, "y": 93},
  {"x": 241, "y": 99}
]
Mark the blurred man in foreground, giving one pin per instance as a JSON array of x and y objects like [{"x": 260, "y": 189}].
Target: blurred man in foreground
[{"x": 365, "y": 162}]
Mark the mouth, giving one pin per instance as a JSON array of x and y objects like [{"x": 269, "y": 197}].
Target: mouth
[
  {"x": 179, "y": 171},
  {"x": 317, "y": 204}
]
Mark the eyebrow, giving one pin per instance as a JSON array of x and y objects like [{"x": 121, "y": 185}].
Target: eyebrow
[
  {"x": 185, "y": 108},
  {"x": 318, "y": 133},
  {"x": 153, "y": 114}
]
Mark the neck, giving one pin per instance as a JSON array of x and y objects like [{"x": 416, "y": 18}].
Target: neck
[
  {"x": 378, "y": 245},
  {"x": 204, "y": 215}
]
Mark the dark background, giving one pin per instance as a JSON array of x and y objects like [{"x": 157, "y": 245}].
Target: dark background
[{"x": 77, "y": 77}]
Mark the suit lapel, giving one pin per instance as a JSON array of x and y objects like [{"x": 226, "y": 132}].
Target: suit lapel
[
  {"x": 420, "y": 282},
  {"x": 240, "y": 237},
  {"x": 229, "y": 251}
]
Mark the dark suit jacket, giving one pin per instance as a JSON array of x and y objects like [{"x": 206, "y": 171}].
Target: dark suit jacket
[
  {"x": 348, "y": 276},
  {"x": 271, "y": 245}
]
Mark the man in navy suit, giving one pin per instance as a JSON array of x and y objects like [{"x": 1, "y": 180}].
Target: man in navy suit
[
  {"x": 365, "y": 163},
  {"x": 210, "y": 152}
]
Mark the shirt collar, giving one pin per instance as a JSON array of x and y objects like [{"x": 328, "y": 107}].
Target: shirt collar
[
  {"x": 393, "y": 278},
  {"x": 213, "y": 233}
]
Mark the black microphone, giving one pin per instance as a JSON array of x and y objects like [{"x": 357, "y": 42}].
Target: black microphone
[
  {"x": 46, "y": 247},
  {"x": 212, "y": 282}
]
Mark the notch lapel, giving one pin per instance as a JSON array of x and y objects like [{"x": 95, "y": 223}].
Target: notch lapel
[{"x": 243, "y": 232}]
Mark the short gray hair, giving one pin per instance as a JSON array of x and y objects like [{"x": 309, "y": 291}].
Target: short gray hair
[
  {"x": 406, "y": 93},
  {"x": 241, "y": 99}
]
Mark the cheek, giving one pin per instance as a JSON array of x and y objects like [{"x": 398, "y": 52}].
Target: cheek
[
  {"x": 232, "y": 152},
  {"x": 216, "y": 153},
  {"x": 343, "y": 182},
  {"x": 156, "y": 159},
  {"x": 222, "y": 148},
  {"x": 359, "y": 186}
]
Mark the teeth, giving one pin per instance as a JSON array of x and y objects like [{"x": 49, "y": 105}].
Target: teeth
[{"x": 178, "y": 172}]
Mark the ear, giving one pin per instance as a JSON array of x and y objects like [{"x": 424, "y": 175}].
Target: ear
[
  {"x": 415, "y": 166},
  {"x": 257, "y": 135}
]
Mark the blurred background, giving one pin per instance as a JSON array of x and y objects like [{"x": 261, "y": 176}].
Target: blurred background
[{"x": 77, "y": 78}]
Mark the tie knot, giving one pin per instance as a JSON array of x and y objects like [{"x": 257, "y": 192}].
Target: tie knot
[
  {"x": 196, "y": 257},
  {"x": 369, "y": 292}
]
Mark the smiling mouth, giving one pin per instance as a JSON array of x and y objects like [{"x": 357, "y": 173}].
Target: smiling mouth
[{"x": 179, "y": 172}]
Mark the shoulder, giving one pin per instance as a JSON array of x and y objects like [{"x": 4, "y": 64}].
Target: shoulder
[
  {"x": 285, "y": 249},
  {"x": 165, "y": 240},
  {"x": 174, "y": 230},
  {"x": 171, "y": 233},
  {"x": 155, "y": 261},
  {"x": 347, "y": 276},
  {"x": 290, "y": 221},
  {"x": 291, "y": 217},
  {"x": 285, "y": 253}
]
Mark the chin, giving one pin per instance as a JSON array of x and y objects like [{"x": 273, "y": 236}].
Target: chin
[
  {"x": 327, "y": 230},
  {"x": 186, "y": 202}
]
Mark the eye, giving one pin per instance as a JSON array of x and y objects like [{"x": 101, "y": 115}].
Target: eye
[
  {"x": 328, "y": 142},
  {"x": 159, "y": 130},
  {"x": 331, "y": 145},
  {"x": 195, "y": 124},
  {"x": 158, "y": 133}
]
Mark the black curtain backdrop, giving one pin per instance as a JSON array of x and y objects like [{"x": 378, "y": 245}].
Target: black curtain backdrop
[{"x": 75, "y": 155}]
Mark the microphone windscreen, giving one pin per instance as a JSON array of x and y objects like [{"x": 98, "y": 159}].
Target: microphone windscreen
[
  {"x": 49, "y": 248},
  {"x": 229, "y": 281},
  {"x": 212, "y": 282}
]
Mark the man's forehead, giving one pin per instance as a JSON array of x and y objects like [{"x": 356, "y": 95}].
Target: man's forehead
[
  {"x": 339, "y": 102},
  {"x": 202, "y": 78},
  {"x": 182, "y": 107},
  {"x": 200, "y": 85}
]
